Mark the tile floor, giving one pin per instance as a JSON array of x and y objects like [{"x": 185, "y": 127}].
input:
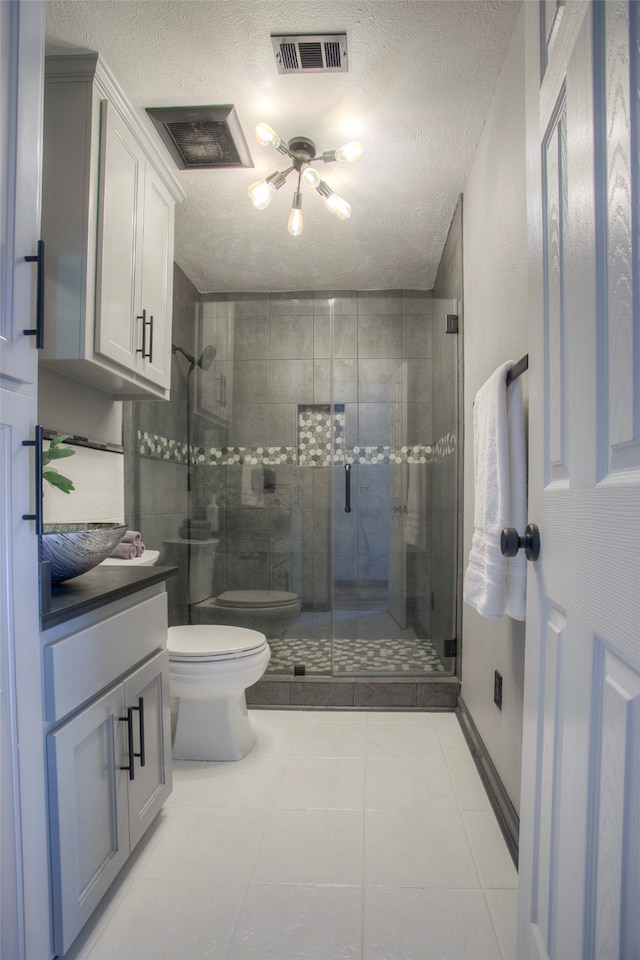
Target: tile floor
[
  {"x": 341, "y": 836},
  {"x": 400, "y": 656}
]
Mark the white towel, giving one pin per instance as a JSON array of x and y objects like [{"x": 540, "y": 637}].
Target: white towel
[
  {"x": 516, "y": 600},
  {"x": 491, "y": 585},
  {"x": 252, "y": 484},
  {"x": 415, "y": 521}
]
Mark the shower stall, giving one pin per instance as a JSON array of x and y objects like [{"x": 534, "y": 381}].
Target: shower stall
[{"x": 315, "y": 454}]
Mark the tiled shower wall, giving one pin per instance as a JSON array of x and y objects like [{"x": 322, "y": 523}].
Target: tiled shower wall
[{"x": 282, "y": 376}]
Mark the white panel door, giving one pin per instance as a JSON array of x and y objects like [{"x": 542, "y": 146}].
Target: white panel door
[{"x": 580, "y": 811}]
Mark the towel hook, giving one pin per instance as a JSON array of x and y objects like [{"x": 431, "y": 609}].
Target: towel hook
[{"x": 511, "y": 542}]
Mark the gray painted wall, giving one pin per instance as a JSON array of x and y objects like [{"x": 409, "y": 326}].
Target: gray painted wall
[{"x": 495, "y": 309}]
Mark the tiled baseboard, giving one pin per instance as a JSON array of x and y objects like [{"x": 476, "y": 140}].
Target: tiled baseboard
[{"x": 410, "y": 693}]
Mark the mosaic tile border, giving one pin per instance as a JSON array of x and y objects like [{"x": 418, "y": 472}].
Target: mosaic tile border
[
  {"x": 160, "y": 448},
  {"x": 315, "y": 453}
]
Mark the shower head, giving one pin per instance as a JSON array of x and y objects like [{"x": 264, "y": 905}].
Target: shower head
[{"x": 205, "y": 359}]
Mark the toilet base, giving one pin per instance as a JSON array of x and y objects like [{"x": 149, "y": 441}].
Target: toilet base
[{"x": 215, "y": 729}]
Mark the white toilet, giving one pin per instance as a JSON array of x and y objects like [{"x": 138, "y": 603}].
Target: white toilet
[{"x": 210, "y": 667}]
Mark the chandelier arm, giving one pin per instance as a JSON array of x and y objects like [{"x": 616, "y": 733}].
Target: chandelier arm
[{"x": 284, "y": 149}]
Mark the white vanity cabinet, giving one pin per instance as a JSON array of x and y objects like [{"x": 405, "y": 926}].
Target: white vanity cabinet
[
  {"x": 108, "y": 223},
  {"x": 108, "y": 751}
]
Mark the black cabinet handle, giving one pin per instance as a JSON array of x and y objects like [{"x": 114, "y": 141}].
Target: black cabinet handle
[
  {"x": 37, "y": 516},
  {"x": 129, "y": 721},
  {"x": 140, "y": 709},
  {"x": 146, "y": 322},
  {"x": 511, "y": 542},
  {"x": 38, "y": 330},
  {"x": 347, "y": 488}
]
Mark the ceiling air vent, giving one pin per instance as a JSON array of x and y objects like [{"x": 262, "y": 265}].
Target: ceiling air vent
[
  {"x": 202, "y": 138},
  {"x": 311, "y": 53}
]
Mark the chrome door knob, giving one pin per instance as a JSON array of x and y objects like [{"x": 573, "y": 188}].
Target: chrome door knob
[{"x": 511, "y": 542}]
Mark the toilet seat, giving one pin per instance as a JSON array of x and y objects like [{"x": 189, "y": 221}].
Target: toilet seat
[
  {"x": 269, "y": 612},
  {"x": 194, "y": 643},
  {"x": 234, "y": 599}
]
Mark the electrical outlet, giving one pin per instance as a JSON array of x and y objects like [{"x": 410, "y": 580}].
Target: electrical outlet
[{"x": 497, "y": 689}]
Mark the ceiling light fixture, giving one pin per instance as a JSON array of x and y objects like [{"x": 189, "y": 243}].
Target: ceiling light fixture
[{"x": 302, "y": 152}]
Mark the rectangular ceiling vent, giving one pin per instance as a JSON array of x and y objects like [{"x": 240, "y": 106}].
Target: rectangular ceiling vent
[
  {"x": 202, "y": 138},
  {"x": 311, "y": 53}
]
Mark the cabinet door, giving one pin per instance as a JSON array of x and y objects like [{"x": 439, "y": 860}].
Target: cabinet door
[
  {"x": 157, "y": 278},
  {"x": 119, "y": 328},
  {"x": 87, "y": 810},
  {"x": 20, "y": 157},
  {"x": 24, "y": 882},
  {"x": 147, "y": 691}
]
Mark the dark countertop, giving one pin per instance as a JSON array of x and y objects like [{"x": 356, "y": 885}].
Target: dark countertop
[{"x": 98, "y": 587}]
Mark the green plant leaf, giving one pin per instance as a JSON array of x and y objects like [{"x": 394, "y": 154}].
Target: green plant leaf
[
  {"x": 55, "y": 452},
  {"x": 51, "y": 475}
]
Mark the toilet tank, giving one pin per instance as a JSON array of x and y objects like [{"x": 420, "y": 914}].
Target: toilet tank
[{"x": 195, "y": 561}]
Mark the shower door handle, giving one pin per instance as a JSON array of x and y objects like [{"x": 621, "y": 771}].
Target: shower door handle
[{"x": 347, "y": 488}]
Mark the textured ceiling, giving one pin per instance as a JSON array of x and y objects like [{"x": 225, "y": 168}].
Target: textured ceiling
[{"x": 420, "y": 80}]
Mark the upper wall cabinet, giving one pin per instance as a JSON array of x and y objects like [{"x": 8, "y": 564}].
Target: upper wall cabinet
[{"x": 108, "y": 224}]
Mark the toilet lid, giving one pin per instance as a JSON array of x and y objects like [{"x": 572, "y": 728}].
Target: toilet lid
[
  {"x": 209, "y": 642},
  {"x": 256, "y": 598}
]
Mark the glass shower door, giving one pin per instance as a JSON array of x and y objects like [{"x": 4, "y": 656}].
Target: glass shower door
[{"x": 383, "y": 475}]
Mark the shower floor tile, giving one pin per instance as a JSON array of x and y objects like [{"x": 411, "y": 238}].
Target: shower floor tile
[{"x": 404, "y": 656}]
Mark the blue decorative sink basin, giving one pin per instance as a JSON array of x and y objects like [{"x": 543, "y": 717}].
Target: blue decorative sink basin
[{"x": 74, "y": 548}]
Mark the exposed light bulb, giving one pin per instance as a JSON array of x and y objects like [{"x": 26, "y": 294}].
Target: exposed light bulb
[
  {"x": 311, "y": 177},
  {"x": 295, "y": 217},
  {"x": 295, "y": 222},
  {"x": 266, "y": 136},
  {"x": 261, "y": 194},
  {"x": 337, "y": 205},
  {"x": 350, "y": 152}
]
